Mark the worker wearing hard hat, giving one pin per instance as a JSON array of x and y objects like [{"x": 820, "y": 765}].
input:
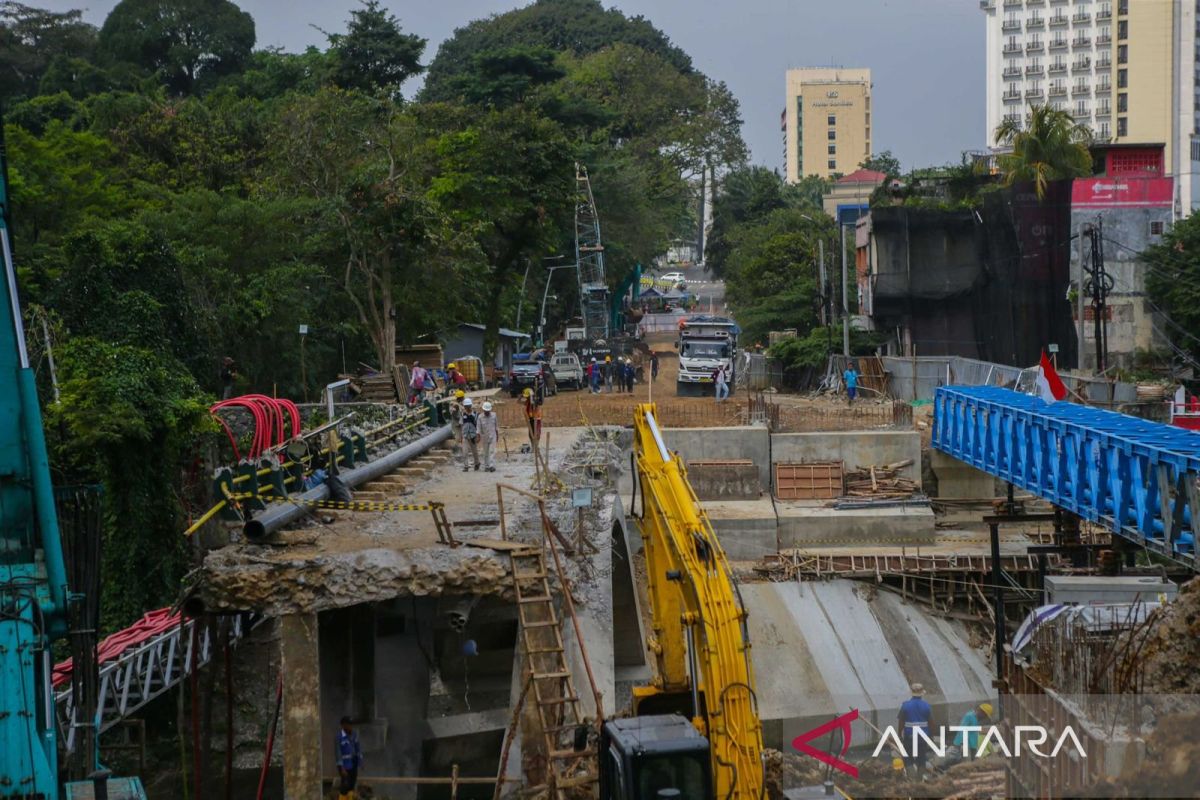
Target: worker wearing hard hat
[
  {"x": 966, "y": 742},
  {"x": 489, "y": 432},
  {"x": 470, "y": 436},
  {"x": 610, "y": 372},
  {"x": 533, "y": 416},
  {"x": 454, "y": 378}
]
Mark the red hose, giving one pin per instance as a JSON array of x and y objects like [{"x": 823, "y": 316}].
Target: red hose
[
  {"x": 275, "y": 420},
  {"x": 262, "y": 775}
]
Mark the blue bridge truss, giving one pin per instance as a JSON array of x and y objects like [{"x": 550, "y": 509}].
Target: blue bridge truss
[{"x": 1135, "y": 477}]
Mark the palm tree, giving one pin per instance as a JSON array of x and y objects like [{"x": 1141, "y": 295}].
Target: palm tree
[{"x": 1052, "y": 147}]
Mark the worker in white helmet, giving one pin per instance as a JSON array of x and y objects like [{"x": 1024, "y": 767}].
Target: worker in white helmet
[
  {"x": 470, "y": 436},
  {"x": 489, "y": 432}
]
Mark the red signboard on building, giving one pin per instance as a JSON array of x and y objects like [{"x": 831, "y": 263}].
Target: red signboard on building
[{"x": 1122, "y": 193}]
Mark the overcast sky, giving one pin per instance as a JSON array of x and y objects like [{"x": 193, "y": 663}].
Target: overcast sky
[{"x": 926, "y": 56}]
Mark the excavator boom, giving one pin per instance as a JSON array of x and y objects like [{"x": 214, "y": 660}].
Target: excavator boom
[{"x": 699, "y": 638}]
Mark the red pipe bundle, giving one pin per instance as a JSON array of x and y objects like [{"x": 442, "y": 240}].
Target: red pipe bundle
[
  {"x": 271, "y": 416},
  {"x": 150, "y": 625}
]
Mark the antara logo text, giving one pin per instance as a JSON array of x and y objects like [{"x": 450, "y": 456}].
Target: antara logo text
[{"x": 1022, "y": 740}]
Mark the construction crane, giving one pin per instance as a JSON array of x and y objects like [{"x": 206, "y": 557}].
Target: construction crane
[
  {"x": 697, "y": 730},
  {"x": 589, "y": 260},
  {"x": 33, "y": 578}
]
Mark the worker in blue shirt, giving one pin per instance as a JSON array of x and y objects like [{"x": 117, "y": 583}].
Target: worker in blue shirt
[
  {"x": 349, "y": 759},
  {"x": 915, "y": 713},
  {"x": 850, "y": 376}
]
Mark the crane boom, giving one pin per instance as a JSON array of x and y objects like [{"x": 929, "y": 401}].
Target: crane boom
[{"x": 699, "y": 640}]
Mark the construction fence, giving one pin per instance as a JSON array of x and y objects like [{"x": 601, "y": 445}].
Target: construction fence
[{"x": 917, "y": 378}]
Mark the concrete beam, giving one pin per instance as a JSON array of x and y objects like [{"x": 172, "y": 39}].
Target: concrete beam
[
  {"x": 703, "y": 444},
  {"x": 300, "y": 665},
  {"x": 853, "y": 448}
]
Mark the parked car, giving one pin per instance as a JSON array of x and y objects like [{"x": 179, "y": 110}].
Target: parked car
[
  {"x": 567, "y": 370},
  {"x": 524, "y": 375}
]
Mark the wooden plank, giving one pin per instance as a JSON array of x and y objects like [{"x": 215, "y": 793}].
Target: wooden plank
[{"x": 497, "y": 544}]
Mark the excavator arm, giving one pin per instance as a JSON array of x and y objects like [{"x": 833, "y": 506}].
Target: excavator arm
[{"x": 699, "y": 638}]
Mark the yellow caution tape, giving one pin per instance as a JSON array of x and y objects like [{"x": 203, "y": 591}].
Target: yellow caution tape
[{"x": 357, "y": 505}]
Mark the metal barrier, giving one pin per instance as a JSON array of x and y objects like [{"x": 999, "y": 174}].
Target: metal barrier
[{"x": 1137, "y": 478}]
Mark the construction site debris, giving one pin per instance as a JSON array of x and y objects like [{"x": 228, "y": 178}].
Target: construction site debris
[
  {"x": 1172, "y": 651},
  {"x": 820, "y": 480},
  {"x": 880, "y": 480}
]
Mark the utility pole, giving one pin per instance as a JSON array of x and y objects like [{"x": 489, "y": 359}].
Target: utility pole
[
  {"x": 1079, "y": 299},
  {"x": 845, "y": 302},
  {"x": 1098, "y": 289},
  {"x": 824, "y": 287},
  {"x": 521, "y": 300}
]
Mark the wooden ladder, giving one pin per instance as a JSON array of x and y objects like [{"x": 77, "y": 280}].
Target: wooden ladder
[{"x": 571, "y": 772}]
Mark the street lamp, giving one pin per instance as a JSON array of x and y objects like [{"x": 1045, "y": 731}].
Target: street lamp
[{"x": 546, "y": 294}]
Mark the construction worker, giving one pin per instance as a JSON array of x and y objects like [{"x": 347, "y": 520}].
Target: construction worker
[
  {"x": 456, "y": 415},
  {"x": 454, "y": 378},
  {"x": 721, "y": 379},
  {"x": 594, "y": 375},
  {"x": 228, "y": 376},
  {"x": 627, "y": 375},
  {"x": 915, "y": 713},
  {"x": 416, "y": 383},
  {"x": 850, "y": 376},
  {"x": 533, "y": 416},
  {"x": 489, "y": 431},
  {"x": 653, "y": 366},
  {"x": 609, "y": 369},
  {"x": 349, "y": 759},
  {"x": 470, "y": 436},
  {"x": 966, "y": 742}
]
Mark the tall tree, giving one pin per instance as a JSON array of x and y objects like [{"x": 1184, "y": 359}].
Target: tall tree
[
  {"x": 181, "y": 40},
  {"x": 1173, "y": 282},
  {"x": 31, "y": 38},
  {"x": 368, "y": 165},
  {"x": 1051, "y": 147},
  {"x": 375, "y": 54},
  {"x": 883, "y": 162}
]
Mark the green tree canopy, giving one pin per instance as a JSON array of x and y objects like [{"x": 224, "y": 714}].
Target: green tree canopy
[
  {"x": 31, "y": 39},
  {"x": 375, "y": 54},
  {"x": 1051, "y": 147},
  {"x": 883, "y": 162},
  {"x": 182, "y": 41},
  {"x": 1173, "y": 281}
]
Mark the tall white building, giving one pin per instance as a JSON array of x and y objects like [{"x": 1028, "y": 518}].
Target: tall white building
[{"x": 1125, "y": 68}]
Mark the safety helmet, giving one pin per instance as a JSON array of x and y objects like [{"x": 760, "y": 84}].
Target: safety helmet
[
  {"x": 459, "y": 394},
  {"x": 487, "y": 406},
  {"x": 467, "y": 403},
  {"x": 986, "y": 708},
  {"x": 527, "y": 393},
  {"x": 593, "y": 359},
  {"x": 608, "y": 358},
  {"x": 452, "y": 365}
]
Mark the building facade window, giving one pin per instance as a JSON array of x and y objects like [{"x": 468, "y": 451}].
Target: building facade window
[
  {"x": 1122, "y": 102},
  {"x": 832, "y": 135},
  {"x": 1122, "y": 54},
  {"x": 1157, "y": 227},
  {"x": 1122, "y": 6},
  {"x": 1122, "y": 126},
  {"x": 832, "y": 119},
  {"x": 1122, "y": 78},
  {"x": 832, "y": 164},
  {"x": 833, "y": 149},
  {"x": 1123, "y": 29}
]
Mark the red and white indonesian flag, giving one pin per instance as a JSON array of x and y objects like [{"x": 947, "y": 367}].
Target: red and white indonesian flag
[{"x": 1049, "y": 386}]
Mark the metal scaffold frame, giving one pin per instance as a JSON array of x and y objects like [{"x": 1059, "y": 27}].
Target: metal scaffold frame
[
  {"x": 589, "y": 259},
  {"x": 1137, "y": 478},
  {"x": 142, "y": 673}
]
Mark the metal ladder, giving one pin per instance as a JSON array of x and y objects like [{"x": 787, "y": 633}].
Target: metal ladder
[{"x": 571, "y": 772}]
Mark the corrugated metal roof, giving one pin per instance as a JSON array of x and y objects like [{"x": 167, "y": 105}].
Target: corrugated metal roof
[
  {"x": 505, "y": 332},
  {"x": 821, "y": 649}
]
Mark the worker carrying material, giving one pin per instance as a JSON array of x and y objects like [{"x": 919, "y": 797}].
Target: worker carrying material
[
  {"x": 454, "y": 378},
  {"x": 349, "y": 759},
  {"x": 489, "y": 432},
  {"x": 470, "y": 436},
  {"x": 533, "y": 416}
]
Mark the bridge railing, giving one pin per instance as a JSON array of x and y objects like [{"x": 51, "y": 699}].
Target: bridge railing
[{"x": 1137, "y": 478}]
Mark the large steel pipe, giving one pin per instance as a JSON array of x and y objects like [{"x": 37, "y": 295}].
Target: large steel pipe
[{"x": 282, "y": 514}]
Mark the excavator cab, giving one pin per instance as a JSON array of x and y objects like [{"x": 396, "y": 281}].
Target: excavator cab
[{"x": 654, "y": 758}]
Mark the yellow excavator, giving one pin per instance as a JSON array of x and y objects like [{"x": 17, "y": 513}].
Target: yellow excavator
[{"x": 696, "y": 732}]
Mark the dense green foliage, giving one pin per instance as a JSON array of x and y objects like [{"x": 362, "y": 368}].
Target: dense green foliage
[
  {"x": 180, "y": 197},
  {"x": 1173, "y": 282}
]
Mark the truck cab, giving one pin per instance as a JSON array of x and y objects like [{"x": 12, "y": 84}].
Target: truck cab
[
  {"x": 642, "y": 756},
  {"x": 704, "y": 344}
]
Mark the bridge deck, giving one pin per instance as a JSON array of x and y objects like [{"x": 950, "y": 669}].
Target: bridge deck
[{"x": 1137, "y": 478}]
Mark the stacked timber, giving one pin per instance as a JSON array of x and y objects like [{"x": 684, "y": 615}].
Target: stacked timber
[{"x": 880, "y": 481}]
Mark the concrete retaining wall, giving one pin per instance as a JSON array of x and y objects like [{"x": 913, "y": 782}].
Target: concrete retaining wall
[
  {"x": 701, "y": 444},
  {"x": 725, "y": 481},
  {"x": 854, "y": 448}
]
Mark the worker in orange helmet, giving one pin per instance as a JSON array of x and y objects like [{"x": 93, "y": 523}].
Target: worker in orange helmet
[{"x": 533, "y": 416}]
